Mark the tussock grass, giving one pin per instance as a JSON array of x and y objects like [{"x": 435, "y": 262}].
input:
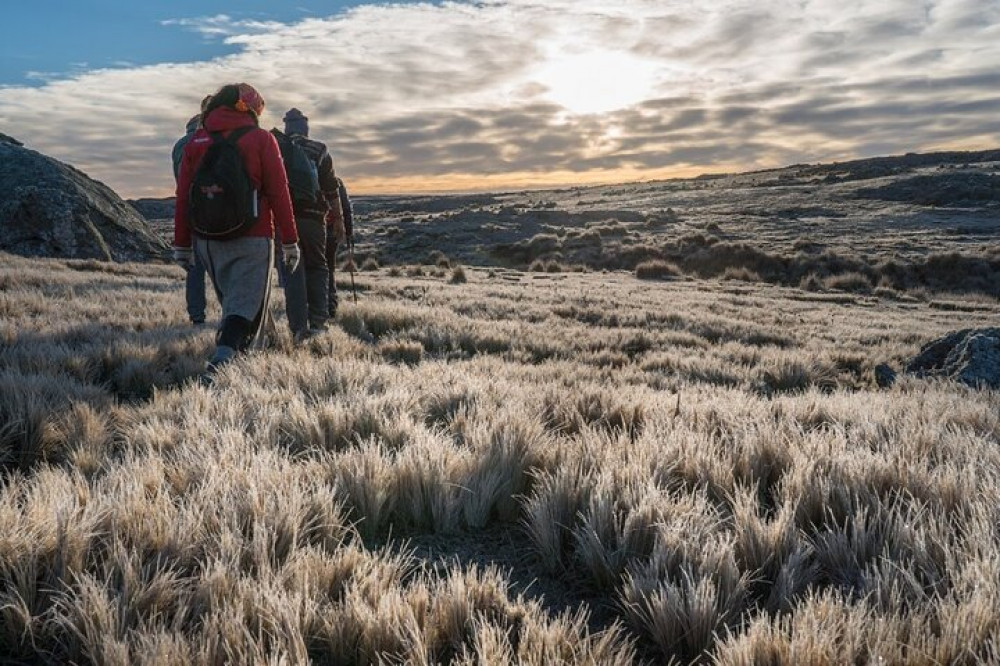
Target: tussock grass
[
  {"x": 704, "y": 466},
  {"x": 656, "y": 270}
]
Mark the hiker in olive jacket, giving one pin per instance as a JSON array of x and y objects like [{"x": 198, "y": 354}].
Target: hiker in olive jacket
[
  {"x": 339, "y": 229},
  {"x": 307, "y": 289}
]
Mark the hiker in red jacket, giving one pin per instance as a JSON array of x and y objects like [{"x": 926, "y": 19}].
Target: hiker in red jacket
[{"x": 240, "y": 266}]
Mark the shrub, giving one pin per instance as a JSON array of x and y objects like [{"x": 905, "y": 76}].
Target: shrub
[
  {"x": 402, "y": 351},
  {"x": 854, "y": 282},
  {"x": 786, "y": 375},
  {"x": 806, "y": 245},
  {"x": 811, "y": 282},
  {"x": 370, "y": 264},
  {"x": 886, "y": 292},
  {"x": 458, "y": 275},
  {"x": 713, "y": 260},
  {"x": 656, "y": 270},
  {"x": 742, "y": 274}
]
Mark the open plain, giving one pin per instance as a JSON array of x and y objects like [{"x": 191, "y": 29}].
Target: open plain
[{"x": 512, "y": 449}]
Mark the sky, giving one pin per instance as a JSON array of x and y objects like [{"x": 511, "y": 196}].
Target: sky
[{"x": 507, "y": 94}]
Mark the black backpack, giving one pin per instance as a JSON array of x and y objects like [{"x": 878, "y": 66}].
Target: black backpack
[
  {"x": 222, "y": 201},
  {"x": 302, "y": 172}
]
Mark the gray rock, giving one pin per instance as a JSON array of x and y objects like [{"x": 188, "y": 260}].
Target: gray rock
[
  {"x": 885, "y": 376},
  {"x": 50, "y": 209},
  {"x": 970, "y": 356}
]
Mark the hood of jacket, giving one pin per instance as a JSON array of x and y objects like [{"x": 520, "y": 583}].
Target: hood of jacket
[
  {"x": 193, "y": 124},
  {"x": 224, "y": 119}
]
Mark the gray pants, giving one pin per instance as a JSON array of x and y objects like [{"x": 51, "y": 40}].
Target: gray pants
[{"x": 241, "y": 274}]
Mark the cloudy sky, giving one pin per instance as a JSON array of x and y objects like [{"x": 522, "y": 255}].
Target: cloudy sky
[{"x": 509, "y": 93}]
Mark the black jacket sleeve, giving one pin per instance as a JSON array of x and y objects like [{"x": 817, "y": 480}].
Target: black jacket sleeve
[
  {"x": 345, "y": 206},
  {"x": 327, "y": 178}
]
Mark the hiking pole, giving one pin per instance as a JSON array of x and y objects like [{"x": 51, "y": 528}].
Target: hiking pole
[{"x": 350, "y": 248}]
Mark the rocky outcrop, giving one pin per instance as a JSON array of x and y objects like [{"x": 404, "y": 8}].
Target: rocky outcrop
[
  {"x": 50, "y": 209},
  {"x": 154, "y": 209},
  {"x": 940, "y": 189},
  {"x": 970, "y": 356}
]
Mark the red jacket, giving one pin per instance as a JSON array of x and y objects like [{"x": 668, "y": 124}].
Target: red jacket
[{"x": 264, "y": 166}]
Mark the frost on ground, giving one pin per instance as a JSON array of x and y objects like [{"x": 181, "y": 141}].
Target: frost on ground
[
  {"x": 897, "y": 225},
  {"x": 529, "y": 468}
]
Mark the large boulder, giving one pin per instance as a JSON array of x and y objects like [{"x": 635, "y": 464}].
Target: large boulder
[
  {"x": 970, "y": 356},
  {"x": 50, "y": 209}
]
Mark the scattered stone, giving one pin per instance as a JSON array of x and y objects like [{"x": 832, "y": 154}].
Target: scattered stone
[
  {"x": 50, "y": 209},
  {"x": 970, "y": 356},
  {"x": 885, "y": 376}
]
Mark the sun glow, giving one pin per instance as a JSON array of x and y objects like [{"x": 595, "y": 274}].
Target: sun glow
[{"x": 597, "y": 81}]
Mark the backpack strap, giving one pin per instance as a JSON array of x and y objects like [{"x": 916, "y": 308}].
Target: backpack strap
[{"x": 236, "y": 134}]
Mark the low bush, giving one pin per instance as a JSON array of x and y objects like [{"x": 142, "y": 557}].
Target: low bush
[
  {"x": 402, "y": 351},
  {"x": 656, "y": 270},
  {"x": 741, "y": 274},
  {"x": 811, "y": 282},
  {"x": 854, "y": 282}
]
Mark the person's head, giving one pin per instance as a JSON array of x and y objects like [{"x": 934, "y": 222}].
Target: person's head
[
  {"x": 296, "y": 123},
  {"x": 241, "y": 97}
]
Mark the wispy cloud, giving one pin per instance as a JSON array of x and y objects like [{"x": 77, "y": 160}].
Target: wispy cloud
[
  {"x": 518, "y": 91},
  {"x": 221, "y": 26}
]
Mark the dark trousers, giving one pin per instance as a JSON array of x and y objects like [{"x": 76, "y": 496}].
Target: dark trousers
[
  {"x": 331, "y": 261},
  {"x": 306, "y": 290},
  {"x": 194, "y": 291}
]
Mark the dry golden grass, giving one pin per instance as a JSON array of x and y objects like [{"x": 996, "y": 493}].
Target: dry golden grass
[{"x": 695, "y": 470}]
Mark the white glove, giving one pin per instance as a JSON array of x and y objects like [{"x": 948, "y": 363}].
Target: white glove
[
  {"x": 184, "y": 257},
  {"x": 290, "y": 253}
]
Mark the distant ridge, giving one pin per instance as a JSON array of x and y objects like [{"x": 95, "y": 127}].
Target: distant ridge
[{"x": 887, "y": 164}]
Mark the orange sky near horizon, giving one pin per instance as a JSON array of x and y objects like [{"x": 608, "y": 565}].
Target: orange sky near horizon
[{"x": 526, "y": 94}]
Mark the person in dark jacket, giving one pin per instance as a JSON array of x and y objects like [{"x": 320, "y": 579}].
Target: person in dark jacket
[
  {"x": 240, "y": 268},
  {"x": 307, "y": 290},
  {"x": 337, "y": 234},
  {"x": 194, "y": 288}
]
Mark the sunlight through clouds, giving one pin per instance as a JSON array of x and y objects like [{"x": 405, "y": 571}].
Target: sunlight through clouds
[
  {"x": 596, "y": 81},
  {"x": 514, "y": 92}
]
